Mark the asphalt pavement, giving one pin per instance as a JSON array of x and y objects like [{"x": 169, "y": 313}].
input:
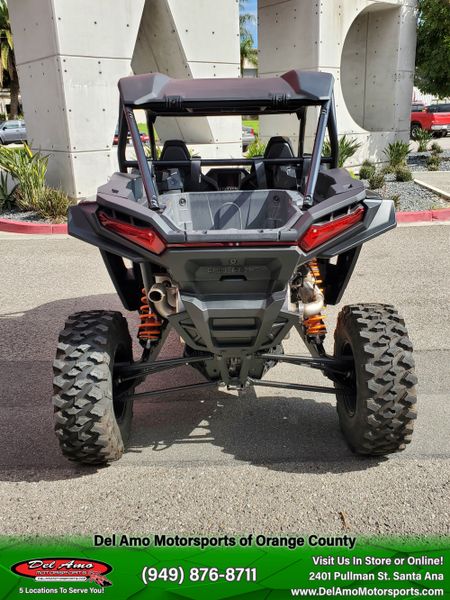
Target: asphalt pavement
[{"x": 269, "y": 461}]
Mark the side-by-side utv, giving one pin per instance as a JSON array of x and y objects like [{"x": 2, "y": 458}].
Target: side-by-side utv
[{"x": 232, "y": 253}]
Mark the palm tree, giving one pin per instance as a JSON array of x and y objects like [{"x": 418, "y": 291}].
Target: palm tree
[
  {"x": 248, "y": 51},
  {"x": 7, "y": 59}
]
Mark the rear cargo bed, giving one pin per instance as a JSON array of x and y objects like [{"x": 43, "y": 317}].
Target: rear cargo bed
[{"x": 261, "y": 213}]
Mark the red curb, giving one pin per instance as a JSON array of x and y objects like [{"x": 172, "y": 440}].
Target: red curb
[
  {"x": 59, "y": 228},
  {"x": 423, "y": 216},
  {"x": 442, "y": 214},
  {"x": 414, "y": 216},
  {"x": 25, "y": 227}
]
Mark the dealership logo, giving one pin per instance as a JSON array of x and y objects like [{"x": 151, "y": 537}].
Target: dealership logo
[{"x": 64, "y": 569}]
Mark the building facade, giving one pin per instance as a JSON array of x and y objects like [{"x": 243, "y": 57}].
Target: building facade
[{"x": 71, "y": 54}]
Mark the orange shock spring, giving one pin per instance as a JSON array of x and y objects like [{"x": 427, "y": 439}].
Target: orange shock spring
[
  {"x": 150, "y": 325},
  {"x": 314, "y": 325}
]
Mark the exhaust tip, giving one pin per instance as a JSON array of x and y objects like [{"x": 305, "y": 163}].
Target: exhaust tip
[{"x": 155, "y": 295}]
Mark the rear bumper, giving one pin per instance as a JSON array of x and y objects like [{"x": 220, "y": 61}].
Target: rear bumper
[
  {"x": 234, "y": 282},
  {"x": 441, "y": 127}
]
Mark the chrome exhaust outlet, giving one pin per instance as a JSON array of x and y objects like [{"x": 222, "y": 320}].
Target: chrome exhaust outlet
[
  {"x": 315, "y": 304},
  {"x": 164, "y": 298},
  {"x": 310, "y": 302}
]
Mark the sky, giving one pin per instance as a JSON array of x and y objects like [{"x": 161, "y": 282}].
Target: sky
[{"x": 251, "y": 7}]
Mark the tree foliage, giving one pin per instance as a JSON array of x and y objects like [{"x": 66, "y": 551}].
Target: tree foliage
[
  {"x": 248, "y": 51},
  {"x": 8, "y": 59},
  {"x": 244, "y": 20},
  {"x": 433, "y": 47}
]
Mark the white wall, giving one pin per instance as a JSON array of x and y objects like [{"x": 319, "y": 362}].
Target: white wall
[
  {"x": 193, "y": 39},
  {"x": 369, "y": 47},
  {"x": 71, "y": 54}
]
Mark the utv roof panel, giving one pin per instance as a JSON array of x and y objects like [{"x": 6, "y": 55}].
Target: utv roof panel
[{"x": 161, "y": 94}]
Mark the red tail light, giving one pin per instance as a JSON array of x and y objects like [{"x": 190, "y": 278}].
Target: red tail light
[
  {"x": 317, "y": 235},
  {"x": 146, "y": 238}
]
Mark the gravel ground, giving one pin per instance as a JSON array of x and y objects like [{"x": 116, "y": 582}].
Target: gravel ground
[
  {"x": 417, "y": 161},
  {"x": 17, "y": 215},
  {"x": 412, "y": 195}
]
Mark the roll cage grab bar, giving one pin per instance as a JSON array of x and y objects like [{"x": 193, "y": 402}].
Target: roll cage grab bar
[{"x": 326, "y": 122}]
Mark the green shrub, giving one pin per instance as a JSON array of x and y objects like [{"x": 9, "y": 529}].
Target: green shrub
[
  {"x": 367, "y": 170},
  {"x": 255, "y": 149},
  {"x": 31, "y": 193},
  {"x": 396, "y": 200},
  {"x": 397, "y": 153},
  {"x": 148, "y": 151},
  {"x": 347, "y": 148},
  {"x": 433, "y": 162},
  {"x": 7, "y": 199},
  {"x": 423, "y": 137},
  {"x": 377, "y": 180},
  {"x": 28, "y": 170},
  {"x": 368, "y": 163},
  {"x": 436, "y": 148},
  {"x": 53, "y": 204},
  {"x": 403, "y": 174}
]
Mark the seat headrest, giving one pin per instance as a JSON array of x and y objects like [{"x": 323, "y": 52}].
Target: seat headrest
[
  {"x": 278, "y": 147},
  {"x": 175, "y": 150}
]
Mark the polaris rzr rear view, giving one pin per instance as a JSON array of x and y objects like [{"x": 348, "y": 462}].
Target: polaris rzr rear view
[{"x": 231, "y": 254}]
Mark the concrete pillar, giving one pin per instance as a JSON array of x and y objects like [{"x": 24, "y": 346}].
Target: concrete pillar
[
  {"x": 195, "y": 39},
  {"x": 70, "y": 56},
  {"x": 369, "y": 47}
]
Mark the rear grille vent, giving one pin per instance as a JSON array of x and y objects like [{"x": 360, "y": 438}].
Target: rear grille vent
[
  {"x": 234, "y": 332},
  {"x": 191, "y": 331}
]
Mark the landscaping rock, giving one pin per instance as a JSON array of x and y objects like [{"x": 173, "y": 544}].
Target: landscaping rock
[
  {"x": 417, "y": 161},
  {"x": 412, "y": 196},
  {"x": 17, "y": 215}
]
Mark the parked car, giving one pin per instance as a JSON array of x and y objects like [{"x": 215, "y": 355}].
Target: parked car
[
  {"x": 144, "y": 137},
  {"x": 13, "y": 131},
  {"x": 417, "y": 106},
  {"x": 248, "y": 136},
  {"x": 434, "y": 118},
  {"x": 444, "y": 107}
]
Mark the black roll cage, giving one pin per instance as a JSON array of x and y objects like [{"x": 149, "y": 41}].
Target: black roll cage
[{"x": 326, "y": 123}]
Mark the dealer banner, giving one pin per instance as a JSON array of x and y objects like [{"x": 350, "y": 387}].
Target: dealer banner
[{"x": 252, "y": 566}]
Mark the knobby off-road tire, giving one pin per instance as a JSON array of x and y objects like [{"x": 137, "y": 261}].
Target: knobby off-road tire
[
  {"x": 377, "y": 407},
  {"x": 92, "y": 416}
]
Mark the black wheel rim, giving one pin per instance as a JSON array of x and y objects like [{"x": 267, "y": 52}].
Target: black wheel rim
[{"x": 349, "y": 387}]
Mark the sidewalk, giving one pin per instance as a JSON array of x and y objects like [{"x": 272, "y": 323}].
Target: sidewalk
[{"x": 436, "y": 181}]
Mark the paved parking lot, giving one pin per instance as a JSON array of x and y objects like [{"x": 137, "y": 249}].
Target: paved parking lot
[{"x": 269, "y": 461}]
